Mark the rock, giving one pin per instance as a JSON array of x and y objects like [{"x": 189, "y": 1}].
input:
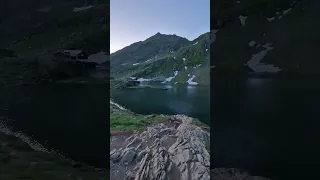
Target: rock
[
  {"x": 134, "y": 142},
  {"x": 113, "y": 151},
  {"x": 115, "y": 156},
  {"x": 128, "y": 156},
  {"x": 233, "y": 174},
  {"x": 164, "y": 152}
]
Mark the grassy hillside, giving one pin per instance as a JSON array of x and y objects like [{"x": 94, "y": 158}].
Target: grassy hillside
[{"x": 169, "y": 61}]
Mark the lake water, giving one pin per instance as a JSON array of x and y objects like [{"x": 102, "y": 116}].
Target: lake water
[
  {"x": 193, "y": 101},
  {"x": 72, "y": 119},
  {"x": 267, "y": 126}
]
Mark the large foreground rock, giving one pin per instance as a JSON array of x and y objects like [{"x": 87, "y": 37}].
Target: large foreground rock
[{"x": 174, "y": 150}]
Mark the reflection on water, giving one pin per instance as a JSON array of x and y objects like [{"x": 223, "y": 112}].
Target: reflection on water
[
  {"x": 72, "y": 119},
  {"x": 269, "y": 127},
  {"x": 167, "y": 99}
]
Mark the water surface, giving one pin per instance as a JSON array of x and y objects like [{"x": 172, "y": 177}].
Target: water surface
[
  {"x": 268, "y": 126},
  {"x": 193, "y": 101},
  {"x": 72, "y": 119}
]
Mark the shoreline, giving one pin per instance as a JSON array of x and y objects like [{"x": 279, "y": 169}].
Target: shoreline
[
  {"x": 20, "y": 153},
  {"x": 148, "y": 119}
]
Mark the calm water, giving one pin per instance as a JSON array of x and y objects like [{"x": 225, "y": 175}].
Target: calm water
[
  {"x": 268, "y": 126},
  {"x": 72, "y": 119},
  {"x": 193, "y": 101}
]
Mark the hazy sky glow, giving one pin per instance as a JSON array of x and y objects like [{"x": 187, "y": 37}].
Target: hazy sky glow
[{"x": 136, "y": 20}]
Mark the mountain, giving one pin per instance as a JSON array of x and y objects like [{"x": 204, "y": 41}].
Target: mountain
[
  {"x": 29, "y": 28},
  {"x": 165, "y": 58},
  {"x": 266, "y": 36},
  {"x": 32, "y": 32}
]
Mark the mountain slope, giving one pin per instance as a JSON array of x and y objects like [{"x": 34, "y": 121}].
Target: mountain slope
[
  {"x": 31, "y": 33},
  {"x": 267, "y": 36},
  {"x": 166, "y": 59}
]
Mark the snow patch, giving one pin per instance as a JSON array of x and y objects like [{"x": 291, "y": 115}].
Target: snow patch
[
  {"x": 170, "y": 78},
  {"x": 286, "y": 11},
  {"x": 135, "y": 64},
  {"x": 254, "y": 62},
  {"x": 77, "y": 9},
  {"x": 185, "y": 67},
  {"x": 293, "y": 3},
  {"x": 190, "y": 81},
  {"x": 206, "y": 49},
  {"x": 142, "y": 79},
  {"x": 243, "y": 20},
  {"x": 195, "y": 43},
  {"x": 280, "y": 17},
  {"x": 252, "y": 43},
  {"x": 175, "y": 83},
  {"x": 271, "y": 19},
  {"x": 184, "y": 60}
]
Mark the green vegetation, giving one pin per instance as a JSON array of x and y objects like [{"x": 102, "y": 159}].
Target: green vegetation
[
  {"x": 207, "y": 144},
  {"x": 125, "y": 120},
  {"x": 160, "y": 56}
]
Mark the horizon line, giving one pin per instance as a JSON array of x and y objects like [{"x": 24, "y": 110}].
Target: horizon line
[{"x": 154, "y": 35}]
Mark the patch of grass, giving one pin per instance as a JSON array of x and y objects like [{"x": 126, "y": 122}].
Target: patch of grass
[
  {"x": 197, "y": 122},
  {"x": 124, "y": 120},
  {"x": 207, "y": 144}
]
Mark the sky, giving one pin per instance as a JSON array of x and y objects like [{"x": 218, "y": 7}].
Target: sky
[{"x": 137, "y": 20}]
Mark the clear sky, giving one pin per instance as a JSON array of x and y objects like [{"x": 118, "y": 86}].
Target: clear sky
[{"x": 136, "y": 20}]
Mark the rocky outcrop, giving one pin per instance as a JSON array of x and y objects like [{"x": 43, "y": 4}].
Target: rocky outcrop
[
  {"x": 233, "y": 174},
  {"x": 174, "y": 149}
]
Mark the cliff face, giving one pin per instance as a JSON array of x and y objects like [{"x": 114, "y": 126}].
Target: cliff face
[{"x": 266, "y": 36}]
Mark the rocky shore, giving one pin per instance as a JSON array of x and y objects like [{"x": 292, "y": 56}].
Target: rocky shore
[
  {"x": 233, "y": 174},
  {"x": 23, "y": 158},
  {"x": 173, "y": 149}
]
